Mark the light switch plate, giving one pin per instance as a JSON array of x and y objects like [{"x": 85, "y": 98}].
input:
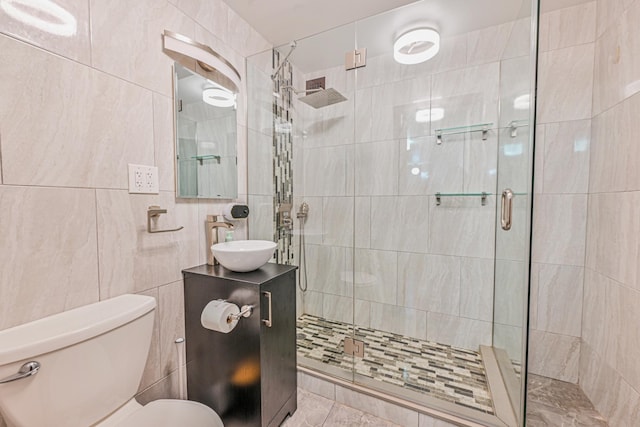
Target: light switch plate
[{"x": 143, "y": 179}]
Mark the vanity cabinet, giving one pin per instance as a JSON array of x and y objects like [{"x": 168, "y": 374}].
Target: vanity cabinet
[{"x": 248, "y": 376}]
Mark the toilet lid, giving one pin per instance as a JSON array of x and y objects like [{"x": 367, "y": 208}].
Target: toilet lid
[{"x": 170, "y": 413}]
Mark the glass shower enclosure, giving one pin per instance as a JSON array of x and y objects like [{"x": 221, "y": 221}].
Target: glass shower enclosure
[{"x": 403, "y": 193}]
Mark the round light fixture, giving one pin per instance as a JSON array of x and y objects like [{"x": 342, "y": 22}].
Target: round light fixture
[
  {"x": 44, "y": 15},
  {"x": 218, "y": 97},
  {"x": 416, "y": 46}
]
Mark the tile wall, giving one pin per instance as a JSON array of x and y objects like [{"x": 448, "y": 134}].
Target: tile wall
[
  {"x": 609, "y": 369},
  {"x": 563, "y": 148},
  {"x": 75, "y": 110}
]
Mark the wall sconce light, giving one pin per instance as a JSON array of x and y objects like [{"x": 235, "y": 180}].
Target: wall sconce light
[{"x": 201, "y": 59}]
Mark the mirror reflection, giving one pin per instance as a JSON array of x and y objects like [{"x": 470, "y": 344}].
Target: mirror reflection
[{"x": 206, "y": 135}]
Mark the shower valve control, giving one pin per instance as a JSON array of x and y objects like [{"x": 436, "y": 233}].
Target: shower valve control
[{"x": 284, "y": 216}]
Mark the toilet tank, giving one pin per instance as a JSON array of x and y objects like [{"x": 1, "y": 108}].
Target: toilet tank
[{"x": 91, "y": 362}]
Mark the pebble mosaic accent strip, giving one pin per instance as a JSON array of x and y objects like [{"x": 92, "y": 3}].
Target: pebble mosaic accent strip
[{"x": 437, "y": 370}]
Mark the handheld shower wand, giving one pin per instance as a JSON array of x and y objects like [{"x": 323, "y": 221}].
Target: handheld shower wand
[{"x": 302, "y": 214}]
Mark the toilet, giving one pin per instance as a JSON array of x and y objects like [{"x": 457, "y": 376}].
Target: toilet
[{"x": 91, "y": 361}]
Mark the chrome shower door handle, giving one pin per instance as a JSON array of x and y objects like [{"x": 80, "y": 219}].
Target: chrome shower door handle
[
  {"x": 26, "y": 370},
  {"x": 506, "y": 209},
  {"x": 267, "y": 321}
]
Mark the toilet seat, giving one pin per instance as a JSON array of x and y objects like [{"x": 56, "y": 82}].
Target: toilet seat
[{"x": 173, "y": 413}]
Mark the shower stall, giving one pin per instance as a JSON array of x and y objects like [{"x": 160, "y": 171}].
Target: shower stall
[{"x": 403, "y": 193}]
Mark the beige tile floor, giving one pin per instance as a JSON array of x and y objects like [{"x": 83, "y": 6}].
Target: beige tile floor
[{"x": 317, "y": 411}]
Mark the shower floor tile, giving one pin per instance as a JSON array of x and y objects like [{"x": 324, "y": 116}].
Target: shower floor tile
[
  {"x": 553, "y": 403},
  {"x": 441, "y": 371}
]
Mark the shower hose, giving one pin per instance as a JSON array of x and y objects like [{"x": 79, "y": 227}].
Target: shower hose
[{"x": 302, "y": 257}]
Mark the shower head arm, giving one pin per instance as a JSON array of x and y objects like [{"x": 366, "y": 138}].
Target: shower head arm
[{"x": 297, "y": 92}]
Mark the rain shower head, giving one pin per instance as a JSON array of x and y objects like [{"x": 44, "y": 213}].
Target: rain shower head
[
  {"x": 318, "y": 97},
  {"x": 322, "y": 97}
]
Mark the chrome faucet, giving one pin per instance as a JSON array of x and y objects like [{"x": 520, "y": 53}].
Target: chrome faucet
[{"x": 212, "y": 226}]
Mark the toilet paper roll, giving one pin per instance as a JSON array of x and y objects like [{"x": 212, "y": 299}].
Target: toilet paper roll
[{"x": 215, "y": 316}]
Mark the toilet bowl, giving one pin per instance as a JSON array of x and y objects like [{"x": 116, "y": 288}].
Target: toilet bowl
[
  {"x": 163, "y": 412},
  {"x": 89, "y": 364}
]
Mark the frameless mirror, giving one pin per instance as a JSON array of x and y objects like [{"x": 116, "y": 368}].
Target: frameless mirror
[
  {"x": 205, "y": 89},
  {"x": 205, "y": 137}
]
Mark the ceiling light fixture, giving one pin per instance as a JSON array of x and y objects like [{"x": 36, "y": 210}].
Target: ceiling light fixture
[
  {"x": 44, "y": 15},
  {"x": 416, "y": 46},
  {"x": 218, "y": 97}
]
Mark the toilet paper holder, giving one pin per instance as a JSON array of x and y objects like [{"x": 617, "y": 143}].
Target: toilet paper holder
[{"x": 245, "y": 311}]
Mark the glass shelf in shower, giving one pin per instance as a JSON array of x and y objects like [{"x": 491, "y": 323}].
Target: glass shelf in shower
[
  {"x": 207, "y": 157},
  {"x": 515, "y": 124},
  {"x": 480, "y": 127},
  {"x": 483, "y": 196}
]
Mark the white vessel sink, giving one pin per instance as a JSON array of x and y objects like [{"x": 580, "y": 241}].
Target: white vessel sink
[{"x": 243, "y": 255}]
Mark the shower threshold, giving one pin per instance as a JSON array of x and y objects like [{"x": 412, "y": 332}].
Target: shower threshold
[{"x": 419, "y": 367}]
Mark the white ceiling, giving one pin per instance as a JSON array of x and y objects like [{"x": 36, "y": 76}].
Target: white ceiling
[{"x": 281, "y": 21}]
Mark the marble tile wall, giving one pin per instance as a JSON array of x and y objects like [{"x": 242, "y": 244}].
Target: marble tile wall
[
  {"x": 608, "y": 366},
  {"x": 80, "y": 100},
  {"x": 564, "y": 144}
]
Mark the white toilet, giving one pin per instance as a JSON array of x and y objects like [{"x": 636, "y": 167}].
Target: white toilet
[{"x": 91, "y": 361}]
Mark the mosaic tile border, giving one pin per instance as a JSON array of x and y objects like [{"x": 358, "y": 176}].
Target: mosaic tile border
[
  {"x": 282, "y": 156},
  {"x": 441, "y": 371}
]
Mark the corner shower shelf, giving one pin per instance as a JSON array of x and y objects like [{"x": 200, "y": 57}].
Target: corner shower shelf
[
  {"x": 481, "y": 127},
  {"x": 482, "y": 195}
]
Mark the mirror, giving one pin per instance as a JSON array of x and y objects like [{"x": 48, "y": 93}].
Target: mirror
[
  {"x": 206, "y": 135},
  {"x": 205, "y": 89}
]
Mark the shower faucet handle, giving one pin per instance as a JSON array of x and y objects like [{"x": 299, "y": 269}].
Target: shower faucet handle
[{"x": 284, "y": 216}]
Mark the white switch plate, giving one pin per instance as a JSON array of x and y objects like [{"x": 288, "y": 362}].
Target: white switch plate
[{"x": 143, "y": 179}]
